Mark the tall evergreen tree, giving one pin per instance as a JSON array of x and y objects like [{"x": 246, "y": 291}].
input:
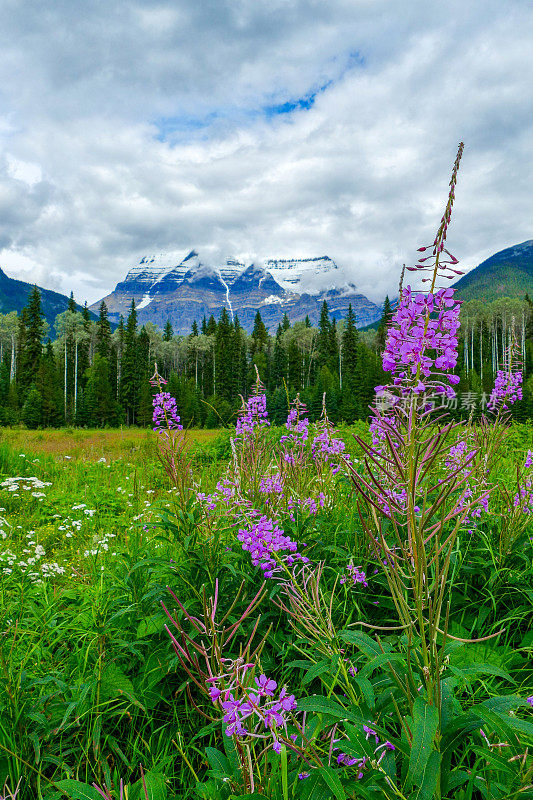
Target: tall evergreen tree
[
  {"x": 324, "y": 337},
  {"x": 32, "y": 332},
  {"x": 168, "y": 332},
  {"x": 48, "y": 384},
  {"x": 129, "y": 381},
  {"x": 32, "y": 408},
  {"x": 100, "y": 399},
  {"x": 224, "y": 357},
  {"x": 381, "y": 335},
  {"x": 349, "y": 353},
  {"x": 103, "y": 332}
]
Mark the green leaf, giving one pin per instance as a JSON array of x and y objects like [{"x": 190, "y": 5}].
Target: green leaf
[
  {"x": 332, "y": 779},
  {"x": 115, "y": 683},
  {"x": 482, "y": 669},
  {"x": 232, "y": 755},
  {"x": 366, "y": 690},
  {"x": 425, "y": 724},
  {"x": 326, "y": 665},
  {"x": 379, "y": 661},
  {"x": 147, "y": 627},
  {"x": 430, "y": 778},
  {"x": 78, "y": 791},
  {"x": 217, "y": 760},
  {"x": 156, "y": 788},
  {"x": 318, "y": 704},
  {"x": 362, "y": 641}
]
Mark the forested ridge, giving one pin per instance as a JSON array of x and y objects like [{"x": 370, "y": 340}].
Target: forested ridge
[{"x": 80, "y": 372}]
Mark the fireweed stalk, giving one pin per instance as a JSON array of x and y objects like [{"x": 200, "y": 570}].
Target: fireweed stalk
[
  {"x": 171, "y": 442},
  {"x": 416, "y": 510},
  {"x": 254, "y": 710}
]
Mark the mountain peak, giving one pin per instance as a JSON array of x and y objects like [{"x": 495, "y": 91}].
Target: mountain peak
[{"x": 183, "y": 289}]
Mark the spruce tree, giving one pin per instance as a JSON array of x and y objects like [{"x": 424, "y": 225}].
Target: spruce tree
[
  {"x": 259, "y": 334},
  {"x": 103, "y": 332},
  {"x": 32, "y": 408},
  {"x": 350, "y": 345},
  {"x": 324, "y": 337},
  {"x": 49, "y": 386},
  {"x": 285, "y": 324},
  {"x": 168, "y": 332},
  {"x": 129, "y": 381},
  {"x": 194, "y": 329},
  {"x": 224, "y": 357},
  {"x": 31, "y": 335},
  {"x": 99, "y": 399},
  {"x": 381, "y": 335}
]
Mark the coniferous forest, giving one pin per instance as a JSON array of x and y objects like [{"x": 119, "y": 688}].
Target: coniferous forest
[{"x": 84, "y": 373}]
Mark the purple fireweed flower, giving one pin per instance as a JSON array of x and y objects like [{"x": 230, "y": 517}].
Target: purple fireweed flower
[
  {"x": 507, "y": 390},
  {"x": 303, "y": 775},
  {"x": 529, "y": 460},
  {"x": 266, "y": 686},
  {"x": 253, "y": 415},
  {"x": 530, "y": 700},
  {"x": 355, "y": 575},
  {"x": 346, "y": 760},
  {"x": 329, "y": 449},
  {"x": 249, "y": 711},
  {"x": 271, "y": 485},
  {"x": 370, "y": 732},
  {"x": 265, "y": 538},
  {"x": 421, "y": 344},
  {"x": 165, "y": 415},
  {"x": 461, "y": 455},
  {"x": 297, "y": 426}
]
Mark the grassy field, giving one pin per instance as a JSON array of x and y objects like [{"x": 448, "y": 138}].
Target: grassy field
[{"x": 92, "y": 534}]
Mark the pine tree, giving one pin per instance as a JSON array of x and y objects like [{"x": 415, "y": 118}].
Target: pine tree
[
  {"x": 224, "y": 357},
  {"x": 168, "y": 332},
  {"x": 194, "y": 329},
  {"x": 279, "y": 367},
  {"x": 32, "y": 408},
  {"x": 349, "y": 351},
  {"x": 103, "y": 332},
  {"x": 285, "y": 323},
  {"x": 100, "y": 400},
  {"x": 333, "y": 363},
  {"x": 48, "y": 384},
  {"x": 211, "y": 327},
  {"x": 381, "y": 335},
  {"x": 129, "y": 381},
  {"x": 324, "y": 337},
  {"x": 31, "y": 335},
  {"x": 259, "y": 334}
]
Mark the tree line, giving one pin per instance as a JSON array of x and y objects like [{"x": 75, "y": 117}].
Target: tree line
[{"x": 84, "y": 373}]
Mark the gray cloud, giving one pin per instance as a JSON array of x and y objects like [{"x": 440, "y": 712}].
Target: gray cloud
[{"x": 149, "y": 126}]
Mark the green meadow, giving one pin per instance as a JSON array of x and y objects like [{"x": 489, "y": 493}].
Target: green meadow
[{"x": 92, "y": 693}]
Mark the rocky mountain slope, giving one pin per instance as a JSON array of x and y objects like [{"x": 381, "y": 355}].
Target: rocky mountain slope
[
  {"x": 508, "y": 273},
  {"x": 14, "y": 296},
  {"x": 165, "y": 287}
]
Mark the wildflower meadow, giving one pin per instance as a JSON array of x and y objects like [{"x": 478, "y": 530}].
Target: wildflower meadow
[{"x": 294, "y": 612}]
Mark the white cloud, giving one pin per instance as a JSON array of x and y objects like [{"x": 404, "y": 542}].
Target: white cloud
[{"x": 140, "y": 127}]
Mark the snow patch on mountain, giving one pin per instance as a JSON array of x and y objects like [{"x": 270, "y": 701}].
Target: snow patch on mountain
[{"x": 145, "y": 301}]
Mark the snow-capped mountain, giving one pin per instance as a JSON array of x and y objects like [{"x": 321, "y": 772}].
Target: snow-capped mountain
[{"x": 166, "y": 286}]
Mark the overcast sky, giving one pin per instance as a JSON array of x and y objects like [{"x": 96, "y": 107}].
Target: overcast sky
[{"x": 259, "y": 128}]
